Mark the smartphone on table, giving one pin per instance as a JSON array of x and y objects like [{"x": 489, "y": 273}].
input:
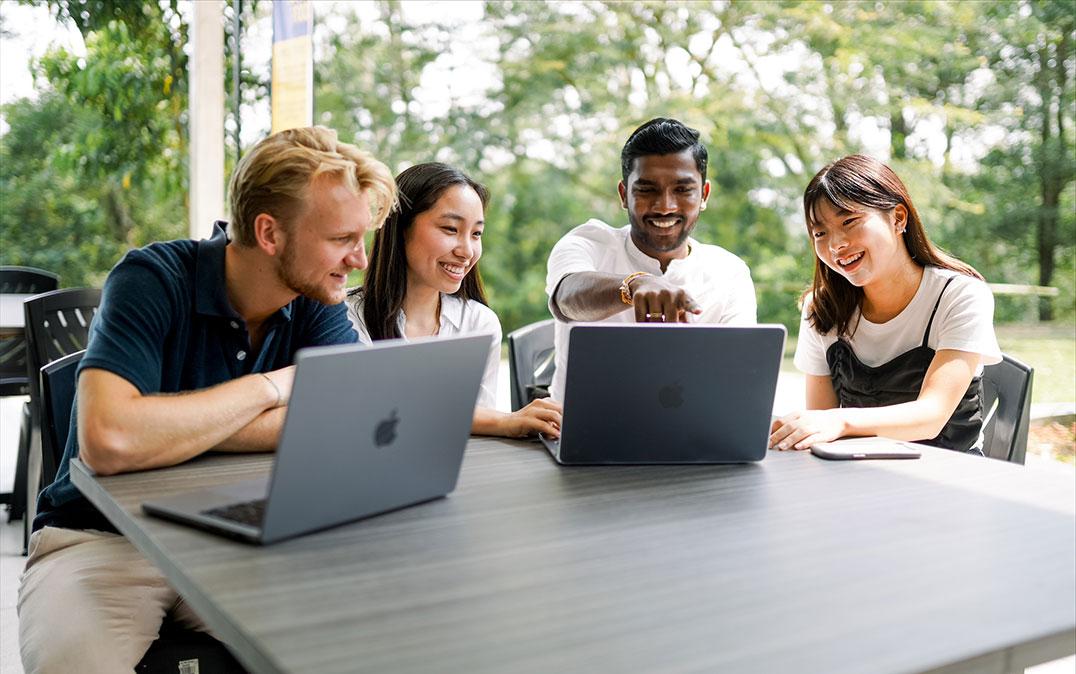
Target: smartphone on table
[{"x": 848, "y": 449}]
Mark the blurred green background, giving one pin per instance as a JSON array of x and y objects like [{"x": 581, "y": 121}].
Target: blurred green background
[{"x": 972, "y": 103}]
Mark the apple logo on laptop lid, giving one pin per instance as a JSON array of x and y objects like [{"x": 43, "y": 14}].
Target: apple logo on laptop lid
[
  {"x": 385, "y": 433},
  {"x": 671, "y": 395}
]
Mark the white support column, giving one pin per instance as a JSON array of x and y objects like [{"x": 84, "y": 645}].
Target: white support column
[{"x": 206, "y": 118}]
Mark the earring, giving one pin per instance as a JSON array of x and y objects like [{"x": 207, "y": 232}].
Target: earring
[{"x": 703, "y": 207}]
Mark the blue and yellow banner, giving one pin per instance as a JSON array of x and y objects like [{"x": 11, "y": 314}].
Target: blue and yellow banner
[{"x": 293, "y": 64}]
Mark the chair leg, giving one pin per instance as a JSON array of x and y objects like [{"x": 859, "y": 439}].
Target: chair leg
[{"x": 17, "y": 509}]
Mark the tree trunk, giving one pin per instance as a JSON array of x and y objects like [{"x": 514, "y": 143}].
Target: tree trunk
[
  {"x": 1050, "y": 184},
  {"x": 120, "y": 220},
  {"x": 898, "y": 133},
  {"x": 1047, "y": 235}
]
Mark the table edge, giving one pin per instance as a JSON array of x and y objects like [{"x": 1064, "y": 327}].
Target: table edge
[{"x": 237, "y": 641}]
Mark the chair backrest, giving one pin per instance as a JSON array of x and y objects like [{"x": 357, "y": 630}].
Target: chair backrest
[
  {"x": 1006, "y": 409},
  {"x": 57, "y": 324},
  {"x": 531, "y": 362},
  {"x": 27, "y": 280},
  {"x": 19, "y": 281},
  {"x": 58, "y": 384}
]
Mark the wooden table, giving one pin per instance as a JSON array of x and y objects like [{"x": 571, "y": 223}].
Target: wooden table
[{"x": 949, "y": 562}]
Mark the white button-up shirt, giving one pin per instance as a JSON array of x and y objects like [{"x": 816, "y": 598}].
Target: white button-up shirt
[
  {"x": 458, "y": 317},
  {"x": 716, "y": 279}
]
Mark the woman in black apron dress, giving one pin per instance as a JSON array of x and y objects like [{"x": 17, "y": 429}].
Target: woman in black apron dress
[{"x": 871, "y": 253}]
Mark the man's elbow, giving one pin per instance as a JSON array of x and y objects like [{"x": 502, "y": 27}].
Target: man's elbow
[
  {"x": 103, "y": 449},
  {"x": 560, "y": 302}
]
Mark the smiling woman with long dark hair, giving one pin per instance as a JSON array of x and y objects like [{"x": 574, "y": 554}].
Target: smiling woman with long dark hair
[
  {"x": 423, "y": 280},
  {"x": 895, "y": 332}
]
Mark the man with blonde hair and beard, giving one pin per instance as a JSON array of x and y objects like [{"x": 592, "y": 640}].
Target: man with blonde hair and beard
[{"x": 191, "y": 351}]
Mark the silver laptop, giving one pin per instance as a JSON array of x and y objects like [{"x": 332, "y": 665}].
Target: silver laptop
[
  {"x": 368, "y": 429},
  {"x": 640, "y": 393}
]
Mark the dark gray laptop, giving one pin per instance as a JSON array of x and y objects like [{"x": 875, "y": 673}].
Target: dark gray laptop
[
  {"x": 639, "y": 393},
  {"x": 369, "y": 429}
]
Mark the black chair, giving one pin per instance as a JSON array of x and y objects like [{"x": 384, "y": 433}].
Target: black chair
[
  {"x": 57, "y": 324},
  {"x": 58, "y": 384},
  {"x": 531, "y": 362},
  {"x": 27, "y": 280},
  {"x": 176, "y": 649},
  {"x": 1006, "y": 409},
  {"x": 19, "y": 281},
  {"x": 13, "y": 378}
]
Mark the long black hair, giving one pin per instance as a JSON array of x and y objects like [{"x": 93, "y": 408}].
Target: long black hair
[
  {"x": 385, "y": 283},
  {"x": 851, "y": 183}
]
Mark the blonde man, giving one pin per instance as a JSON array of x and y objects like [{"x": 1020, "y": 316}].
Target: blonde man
[{"x": 190, "y": 351}]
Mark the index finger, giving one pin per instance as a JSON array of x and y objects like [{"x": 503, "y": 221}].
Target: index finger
[{"x": 686, "y": 302}]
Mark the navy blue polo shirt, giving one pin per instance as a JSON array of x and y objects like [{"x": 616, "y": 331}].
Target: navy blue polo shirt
[{"x": 165, "y": 324}]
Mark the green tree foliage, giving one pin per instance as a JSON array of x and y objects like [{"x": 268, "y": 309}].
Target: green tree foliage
[
  {"x": 973, "y": 73},
  {"x": 49, "y": 216},
  {"x": 971, "y": 103},
  {"x": 1032, "y": 57},
  {"x": 105, "y": 143}
]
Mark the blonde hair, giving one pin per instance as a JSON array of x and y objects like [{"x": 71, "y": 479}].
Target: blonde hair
[{"x": 274, "y": 175}]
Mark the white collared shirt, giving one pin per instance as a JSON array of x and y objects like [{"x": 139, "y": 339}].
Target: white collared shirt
[
  {"x": 716, "y": 279},
  {"x": 458, "y": 317}
]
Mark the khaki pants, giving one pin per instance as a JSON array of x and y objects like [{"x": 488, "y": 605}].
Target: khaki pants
[{"x": 90, "y": 602}]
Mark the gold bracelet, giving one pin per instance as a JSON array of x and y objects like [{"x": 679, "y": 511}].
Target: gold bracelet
[{"x": 625, "y": 286}]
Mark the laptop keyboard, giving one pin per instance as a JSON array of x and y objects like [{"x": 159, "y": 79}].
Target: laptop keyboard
[{"x": 247, "y": 512}]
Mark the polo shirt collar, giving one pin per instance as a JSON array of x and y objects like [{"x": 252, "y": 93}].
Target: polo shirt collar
[{"x": 211, "y": 291}]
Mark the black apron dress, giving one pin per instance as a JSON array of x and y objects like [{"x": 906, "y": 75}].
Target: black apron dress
[{"x": 899, "y": 381}]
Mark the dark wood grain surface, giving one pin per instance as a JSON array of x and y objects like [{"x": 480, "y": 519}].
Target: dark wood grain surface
[{"x": 792, "y": 565}]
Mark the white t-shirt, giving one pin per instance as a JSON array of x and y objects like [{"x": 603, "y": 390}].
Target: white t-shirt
[
  {"x": 458, "y": 317},
  {"x": 718, "y": 281},
  {"x": 964, "y": 322}
]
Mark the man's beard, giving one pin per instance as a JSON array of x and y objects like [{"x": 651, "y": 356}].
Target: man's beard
[
  {"x": 306, "y": 288},
  {"x": 641, "y": 233}
]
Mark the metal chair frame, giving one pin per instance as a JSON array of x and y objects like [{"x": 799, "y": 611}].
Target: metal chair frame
[
  {"x": 57, "y": 324},
  {"x": 27, "y": 280},
  {"x": 13, "y": 375},
  {"x": 1007, "y": 409},
  {"x": 531, "y": 361},
  {"x": 58, "y": 384}
]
